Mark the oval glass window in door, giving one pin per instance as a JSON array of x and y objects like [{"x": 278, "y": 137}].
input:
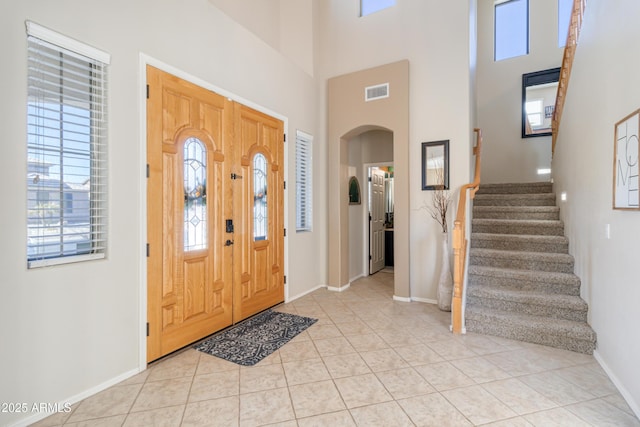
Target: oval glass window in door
[
  {"x": 195, "y": 195},
  {"x": 260, "y": 214}
]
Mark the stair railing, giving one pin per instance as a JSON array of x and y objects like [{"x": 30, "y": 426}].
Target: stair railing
[
  {"x": 460, "y": 240},
  {"x": 565, "y": 71}
]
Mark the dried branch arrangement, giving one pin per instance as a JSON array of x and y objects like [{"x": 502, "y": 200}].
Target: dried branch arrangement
[{"x": 441, "y": 200}]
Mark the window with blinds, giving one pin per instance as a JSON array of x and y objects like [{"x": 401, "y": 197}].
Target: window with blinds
[
  {"x": 66, "y": 149},
  {"x": 303, "y": 181}
]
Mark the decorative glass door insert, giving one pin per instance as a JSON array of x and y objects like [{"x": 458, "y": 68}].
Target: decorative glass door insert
[
  {"x": 195, "y": 195},
  {"x": 260, "y": 215}
]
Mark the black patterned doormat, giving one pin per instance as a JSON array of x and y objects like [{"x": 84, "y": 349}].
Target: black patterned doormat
[{"x": 252, "y": 340}]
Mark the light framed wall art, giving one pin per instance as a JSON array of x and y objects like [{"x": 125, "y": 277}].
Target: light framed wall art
[{"x": 626, "y": 179}]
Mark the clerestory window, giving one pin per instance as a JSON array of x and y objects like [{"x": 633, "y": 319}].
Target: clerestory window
[
  {"x": 367, "y": 7},
  {"x": 565, "y": 7},
  {"x": 511, "y": 28}
]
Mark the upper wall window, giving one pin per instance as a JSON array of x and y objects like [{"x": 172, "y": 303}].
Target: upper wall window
[
  {"x": 66, "y": 149},
  {"x": 564, "y": 19},
  {"x": 368, "y": 7},
  {"x": 511, "y": 28}
]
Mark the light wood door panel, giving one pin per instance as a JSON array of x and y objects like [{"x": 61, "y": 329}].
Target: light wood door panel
[
  {"x": 189, "y": 289},
  {"x": 258, "y": 262},
  {"x": 228, "y": 275},
  {"x": 376, "y": 224}
]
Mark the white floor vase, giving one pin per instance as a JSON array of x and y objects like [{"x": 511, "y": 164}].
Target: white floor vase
[{"x": 445, "y": 283}]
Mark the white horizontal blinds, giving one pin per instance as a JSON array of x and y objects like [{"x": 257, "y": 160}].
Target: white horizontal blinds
[
  {"x": 66, "y": 152},
  {"x": 303, "y": 181}
]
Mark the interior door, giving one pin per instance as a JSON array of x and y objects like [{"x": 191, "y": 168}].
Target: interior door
[
  {"x": 258, "y": 250},
  {"x": 189, "y": 269},
  {"x": 376, "y": 223}
]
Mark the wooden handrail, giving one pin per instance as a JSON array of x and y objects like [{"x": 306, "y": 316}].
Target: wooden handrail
[
  {"x": 460, "y": 240},
  {"x": 565, "y": 72}
]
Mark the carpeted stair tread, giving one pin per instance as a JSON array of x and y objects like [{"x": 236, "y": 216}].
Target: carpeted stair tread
[
  {"x": 528, "y": 243},
  {"x": 532, "y": 283},
  {"x": 559, "y": 306},
  {"x": 569, "y": 279},
  {"x": 562, "y": 263},
  {"x": 521, "y": 255},
  {"x": 524, "y": 199},
  {"x": 567, "y": 334},
  {"x": 515, "y": 188},
  {"x": 521, "y": 283},
  {"x": 575, "y": 302},
  {"x": 517, "y": 212},
  {"x": 518, "y": 226}
]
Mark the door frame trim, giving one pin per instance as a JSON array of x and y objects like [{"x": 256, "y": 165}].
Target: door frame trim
[{"x": 145, "y": 60}]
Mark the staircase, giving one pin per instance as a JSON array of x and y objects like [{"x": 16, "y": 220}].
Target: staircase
[{"x": 520, "y": 277}]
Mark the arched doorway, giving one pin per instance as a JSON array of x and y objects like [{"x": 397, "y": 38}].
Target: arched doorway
[
  {"x": 351, "y": 115},
  {"x": 370, "y": 156}
]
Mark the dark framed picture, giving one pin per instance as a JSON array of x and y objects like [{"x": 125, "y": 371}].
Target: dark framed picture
[
  {"x": 354, "y": 191},
  {"x": 435, "y": 165}
]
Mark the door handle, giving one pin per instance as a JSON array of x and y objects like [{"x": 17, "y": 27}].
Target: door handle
[{"x": 228, "y": 243}]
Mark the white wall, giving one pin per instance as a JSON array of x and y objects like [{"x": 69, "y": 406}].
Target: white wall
[
  {"x": 434, "y": 37},
  {"x": 356, "y": 221},
  {"x": 264, "y": 22},
  {"x": 506, "y": 156},
  {"x": 71, "y": 329},
  {"x": 286, "y": 25},
  {"x": 604, "y": 88},
  {"x": 296, "y": 32}
]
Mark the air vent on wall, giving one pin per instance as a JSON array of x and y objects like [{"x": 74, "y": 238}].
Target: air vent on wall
[{"x": 371, "y": 93}]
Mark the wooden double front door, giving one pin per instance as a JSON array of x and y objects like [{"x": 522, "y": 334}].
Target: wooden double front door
[{"x": 215, "y": 224}]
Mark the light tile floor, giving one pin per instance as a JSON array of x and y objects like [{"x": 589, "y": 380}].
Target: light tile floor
[{"x": 368, "y": 361}]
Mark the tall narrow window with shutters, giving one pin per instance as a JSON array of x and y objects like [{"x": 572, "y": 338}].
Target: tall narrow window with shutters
[
  {"x": 304, "y": 194},
  {"x": 66, "y": 149}
]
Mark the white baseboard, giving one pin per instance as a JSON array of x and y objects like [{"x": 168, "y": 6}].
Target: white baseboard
[
  {"x": 353, "y": 279},
  {"x": 416, "y": 299},
  {"x": 77, "y": 398},
  {"x": 462, "y": 331},
  {"x": 635, "y": 406},
  {"x": 425, "y": 300},
  {"x": 340, "y": 289},
  {"x": 304, "y": 293}
]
